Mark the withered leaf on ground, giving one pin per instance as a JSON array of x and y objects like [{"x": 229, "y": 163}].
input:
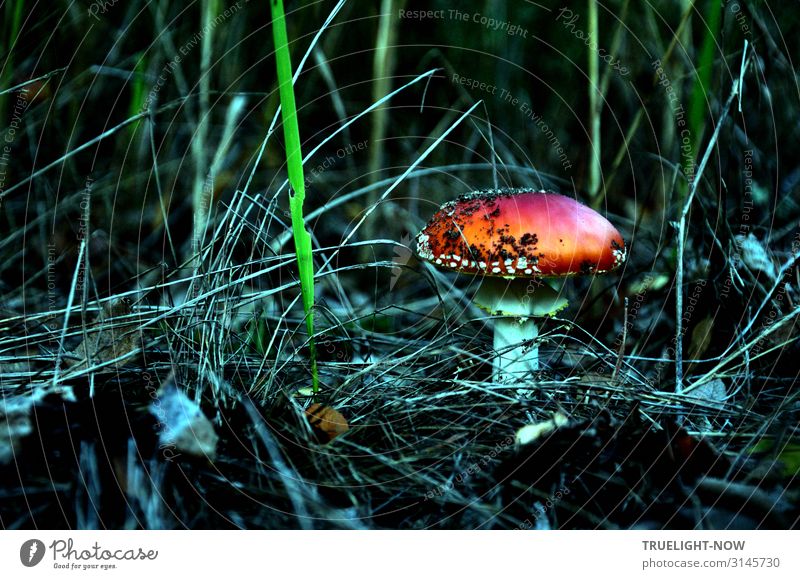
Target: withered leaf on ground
[
  {"x": 109, "y": 341},
  {"x": 326, "y": 422},
  {"x": 182, "y": 424},
  {"x": 533, "y": 432}
]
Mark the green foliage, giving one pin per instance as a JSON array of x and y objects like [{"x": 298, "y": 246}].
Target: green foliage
[
  {"x": 138, "y": 91},
  {"x": 787, "y": 454},
  {"x": 12, "y": 17},
  {"x": 258, "y": 335},
  {"x": 294, "y": 161}
]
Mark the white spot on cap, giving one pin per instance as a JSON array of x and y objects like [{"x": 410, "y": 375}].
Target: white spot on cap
[
  {"x": 424, "y": 247},
  {"x": 619, "y": 255}
]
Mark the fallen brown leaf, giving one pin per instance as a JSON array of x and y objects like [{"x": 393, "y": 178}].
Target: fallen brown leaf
[
  {"x": 108, "y": 342},
  {"x": 326, "y": 422}
]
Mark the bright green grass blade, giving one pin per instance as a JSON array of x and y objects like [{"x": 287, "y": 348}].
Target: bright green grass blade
[{"x": 294, "y": 162}]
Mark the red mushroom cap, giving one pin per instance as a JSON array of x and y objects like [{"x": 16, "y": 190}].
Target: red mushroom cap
[{"x": 520, "y": 233}]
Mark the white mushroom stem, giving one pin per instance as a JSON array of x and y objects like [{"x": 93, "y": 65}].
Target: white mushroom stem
[
  {"x": 516, "y": 351},
  {"x": 519, "y": 302}
]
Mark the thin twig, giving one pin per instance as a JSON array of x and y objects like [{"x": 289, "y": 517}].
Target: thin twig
[{"x": 682, "y": 239}]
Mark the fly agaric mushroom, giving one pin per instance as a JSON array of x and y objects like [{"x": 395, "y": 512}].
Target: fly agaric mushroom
[{"x": 522, "y": 241}]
